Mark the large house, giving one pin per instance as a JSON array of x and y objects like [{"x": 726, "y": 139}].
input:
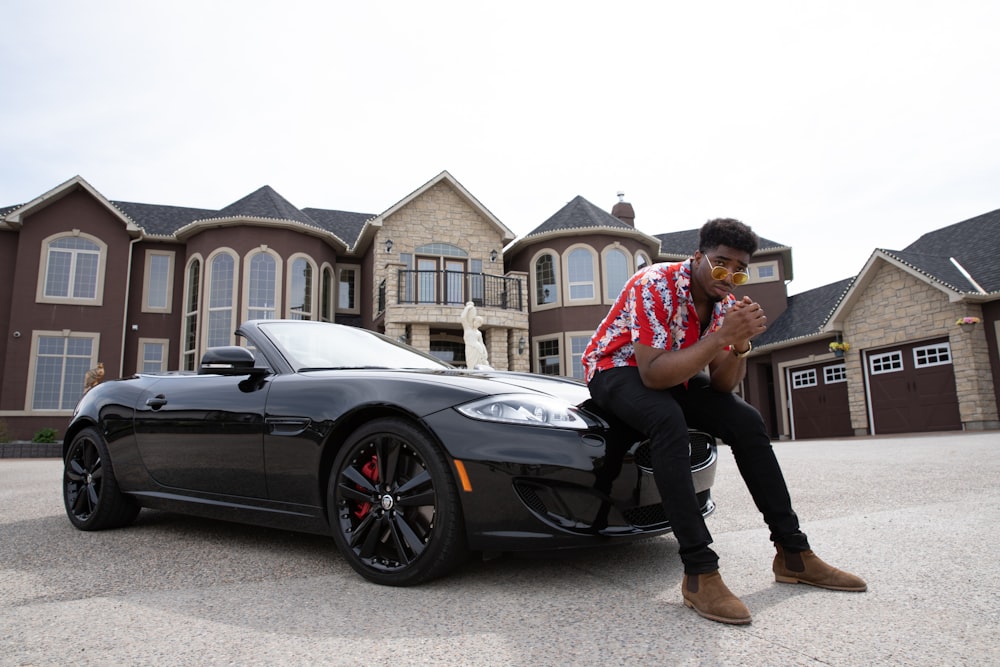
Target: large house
[{"x": 146, "y": 288}]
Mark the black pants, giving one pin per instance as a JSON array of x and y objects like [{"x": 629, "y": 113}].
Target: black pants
[{"x": 664, "y": 416}]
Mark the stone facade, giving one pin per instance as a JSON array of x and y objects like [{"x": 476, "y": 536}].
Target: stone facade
[
  {"x": 441, "y": 214},
  {"x": 898, "y": 307}
]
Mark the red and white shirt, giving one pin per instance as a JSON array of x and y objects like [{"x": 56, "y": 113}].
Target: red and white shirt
[{"x": 655, "y": 308}]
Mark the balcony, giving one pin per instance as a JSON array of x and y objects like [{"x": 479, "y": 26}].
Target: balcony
[{"x": 455, "y": 288}]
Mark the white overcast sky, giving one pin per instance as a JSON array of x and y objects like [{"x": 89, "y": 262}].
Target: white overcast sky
[{"x": 832, "y": 127}]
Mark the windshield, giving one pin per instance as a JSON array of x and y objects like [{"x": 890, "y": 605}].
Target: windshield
[{"x": 315, "y": 345}]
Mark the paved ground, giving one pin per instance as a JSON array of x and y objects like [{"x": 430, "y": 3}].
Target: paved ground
[{"x": 918, "y": 517}]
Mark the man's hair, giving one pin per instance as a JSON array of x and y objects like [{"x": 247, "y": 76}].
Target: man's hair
[{"x": 727, "y": 232}]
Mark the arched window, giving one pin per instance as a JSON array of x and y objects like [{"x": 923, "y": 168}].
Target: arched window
[
  {"x": 221, "y": 297},
  {"x": 326, "y": 295},
  {"x": 616, "y": 272},
  {"x": 192, "y": 305},
  {"x": 641, "y": 260},
  {"x": 262, "y": 283},
  {"x": 72, "y": 270},
  {"x": 300, "y": 289},
  {"x": 546, "y": 280},
  {"x": 580, "y": 274}
]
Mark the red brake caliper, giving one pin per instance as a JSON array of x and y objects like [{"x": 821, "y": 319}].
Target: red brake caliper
[{"x": 370, "y": 471}]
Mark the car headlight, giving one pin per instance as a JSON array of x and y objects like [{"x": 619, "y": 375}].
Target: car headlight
[{"x": 526, "y": 409}]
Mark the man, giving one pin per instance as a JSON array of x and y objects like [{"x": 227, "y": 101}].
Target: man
[{"x": 645, "y": 364}]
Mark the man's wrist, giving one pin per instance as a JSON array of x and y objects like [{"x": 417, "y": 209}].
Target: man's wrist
[{"x": 742, "y": 353}]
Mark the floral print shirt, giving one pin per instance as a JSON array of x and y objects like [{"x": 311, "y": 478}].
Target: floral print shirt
[{"x": 655, "y": 308}]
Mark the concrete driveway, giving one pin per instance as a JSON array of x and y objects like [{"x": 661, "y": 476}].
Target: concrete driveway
[{"x": 918, "y": 517}]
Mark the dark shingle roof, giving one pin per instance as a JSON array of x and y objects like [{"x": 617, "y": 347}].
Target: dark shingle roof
[
  {"x": 265, "y": 203},
  {"x": 806, "y": 313},
  {"x": 686, "y": 242},
  {"x": 579, "y": 214},
  {"x": 974, "y": 243},
  {"x": 161, "y": 220},
  {"x": 4, "y": 210},
  {"x": 346, "y": 225}
]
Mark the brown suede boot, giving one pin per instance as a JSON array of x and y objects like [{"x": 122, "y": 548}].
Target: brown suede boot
[
  {"x": 806, "y": 568},
  {"x": 708, "y": 595}
]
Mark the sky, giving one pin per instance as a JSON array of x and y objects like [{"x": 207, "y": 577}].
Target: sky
[{"x": 834, "y": 128}]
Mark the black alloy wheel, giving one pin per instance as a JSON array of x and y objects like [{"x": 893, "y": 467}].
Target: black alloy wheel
[
  {"x": 394, "y": 506},
  {"x": 90, "y": 491}
]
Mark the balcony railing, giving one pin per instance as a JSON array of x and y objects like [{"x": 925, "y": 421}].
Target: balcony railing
[{"x": 456, "y": 288}]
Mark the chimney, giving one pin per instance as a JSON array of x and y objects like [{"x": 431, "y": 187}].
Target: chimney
[{"x": 623, "y": 210}]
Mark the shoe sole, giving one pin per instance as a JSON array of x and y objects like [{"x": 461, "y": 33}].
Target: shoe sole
[
  {"x": 718, "y": 619},
  {"x": 795, "y": 580}
]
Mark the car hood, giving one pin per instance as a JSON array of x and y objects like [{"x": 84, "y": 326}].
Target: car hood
[
  {"x": 480, "y": 382},
  {"x": 568, "y": 389}
]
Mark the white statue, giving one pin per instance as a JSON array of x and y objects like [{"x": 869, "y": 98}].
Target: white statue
[{"x": 475, "y": 349}]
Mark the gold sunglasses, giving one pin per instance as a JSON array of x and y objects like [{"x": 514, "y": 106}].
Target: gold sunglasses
[{"x": 721, "y": 273}]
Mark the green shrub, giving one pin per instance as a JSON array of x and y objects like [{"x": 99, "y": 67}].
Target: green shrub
[{"x": 45, "y": 435}]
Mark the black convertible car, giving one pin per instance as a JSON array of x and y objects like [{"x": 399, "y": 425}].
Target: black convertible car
[{"x": 409, "y": 462}]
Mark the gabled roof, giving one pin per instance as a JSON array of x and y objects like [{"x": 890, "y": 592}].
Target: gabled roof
[
  {"x": 960, "y": 260},
  {"x": 15, "y": 217},
  {"x": 974, "y": 244},
  {"x": 367, "y": 232},
  {"x": 805, "y": 316}
]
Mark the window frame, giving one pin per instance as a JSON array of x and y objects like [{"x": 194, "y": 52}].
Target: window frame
[
  {"x": 206, "y": 302},
  {"x": 43, "y": 271},
  {"x": 594, "y": 281},
  {"x": 556, "y": 275},
  {"x": 188, "y": 314},
  {"x": 140, "y": 363},
  {"x": 312, "y": 313},
  {"x": 276, "y": 308},
  {"x": 573, "y": 360},
  {"x": 338, "y": 306},
  {"x": 536, "y": 344},
  {"x": 36, "y": 336},
  {"x": 641, "y": 260},
  {"x": 755, "y": 268},
  {"x": 608, "y": 295},
  {"x": 146, "y": 284},
  {"x": 327, "y": 310}
]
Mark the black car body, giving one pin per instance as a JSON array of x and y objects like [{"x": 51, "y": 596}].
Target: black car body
[{"x": 408, "y": 462}]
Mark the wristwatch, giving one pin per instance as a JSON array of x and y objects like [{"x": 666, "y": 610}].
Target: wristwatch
[{"x": 740, "y": 355}]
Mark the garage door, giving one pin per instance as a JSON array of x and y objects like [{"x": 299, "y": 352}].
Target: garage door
[
  {"x": 819, "y": 401},
  {"x": 912, "y": 389}
]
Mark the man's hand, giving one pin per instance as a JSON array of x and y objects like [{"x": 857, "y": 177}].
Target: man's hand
[{"x": 744, "y": 320}]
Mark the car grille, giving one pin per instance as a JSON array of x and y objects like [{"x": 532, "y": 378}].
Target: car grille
[{"x": 701, "y": 451}]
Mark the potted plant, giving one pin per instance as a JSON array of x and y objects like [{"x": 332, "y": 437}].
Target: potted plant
[
  {"x": 839, "y": 347},
  {"x": 967, "y": 321}
]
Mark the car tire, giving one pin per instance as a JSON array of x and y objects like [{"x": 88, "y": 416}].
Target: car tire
[
  {"x": 90, "y": 491},
  {"x": 394, "y": 506}
]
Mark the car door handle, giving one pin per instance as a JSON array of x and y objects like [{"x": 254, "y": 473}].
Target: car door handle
[{"x": 156, "y": 402}]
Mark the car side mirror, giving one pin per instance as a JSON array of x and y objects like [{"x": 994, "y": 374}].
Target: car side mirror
[{"x": 230, "y": 360}]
